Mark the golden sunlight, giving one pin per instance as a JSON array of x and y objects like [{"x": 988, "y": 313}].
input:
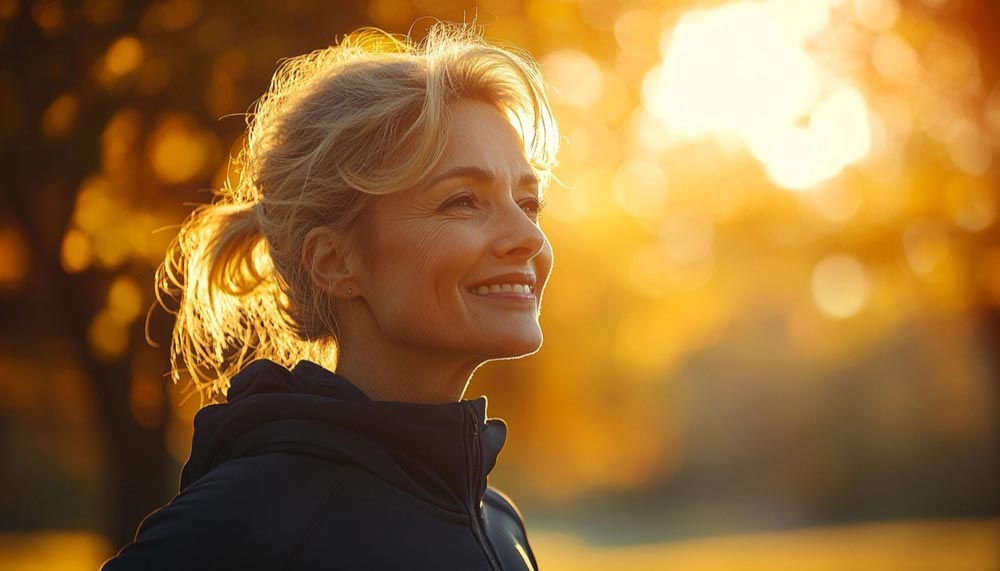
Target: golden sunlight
[
  {"x": 743, "y": 71},
  {"x": 575, "y": 78},
  {"x": 785, "y": 213}
]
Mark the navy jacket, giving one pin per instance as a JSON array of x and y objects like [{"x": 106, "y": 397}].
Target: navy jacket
[{"x": 299, "y": 470}]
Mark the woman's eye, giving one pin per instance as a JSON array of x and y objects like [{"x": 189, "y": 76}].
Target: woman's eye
[
  {"x": 465, "y": 201},
  {"x": 533, "y": 207}
]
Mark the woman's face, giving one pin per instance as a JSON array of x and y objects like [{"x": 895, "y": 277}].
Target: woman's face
[{"x": 473, "y": 222}]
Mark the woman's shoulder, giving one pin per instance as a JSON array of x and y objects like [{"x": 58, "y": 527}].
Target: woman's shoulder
[
  {"x": 513, "y": 525},
  {"x": 247, "y": 513},
  {"x": 502, "y": 501}
]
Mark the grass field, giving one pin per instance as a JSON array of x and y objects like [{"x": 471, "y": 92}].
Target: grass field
[{"x": 951, "y": 545}]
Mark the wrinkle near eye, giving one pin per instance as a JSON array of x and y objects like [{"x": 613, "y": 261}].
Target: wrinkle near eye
[{"x": 426, "y": 239}]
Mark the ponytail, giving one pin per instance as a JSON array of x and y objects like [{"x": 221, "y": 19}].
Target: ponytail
[{"x": 219, "y": 271}]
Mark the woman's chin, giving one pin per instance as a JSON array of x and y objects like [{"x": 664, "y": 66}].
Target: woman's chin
[{"x": 518, "y": 347}]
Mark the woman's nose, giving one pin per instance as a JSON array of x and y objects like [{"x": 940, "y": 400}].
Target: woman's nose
[{"x": 517, "y": 235}]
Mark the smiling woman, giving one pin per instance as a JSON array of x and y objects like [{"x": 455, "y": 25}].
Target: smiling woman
[
  {"x": 473, "y": 225},
  {"x": 381, "y": 244}
]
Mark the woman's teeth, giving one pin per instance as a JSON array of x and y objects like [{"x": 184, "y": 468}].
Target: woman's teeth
[{"x": 501, "y": 288}]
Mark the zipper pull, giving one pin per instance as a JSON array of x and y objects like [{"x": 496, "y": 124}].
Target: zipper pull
[{"x": 475, "y": 419}]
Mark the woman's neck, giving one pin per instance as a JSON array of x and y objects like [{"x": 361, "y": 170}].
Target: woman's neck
[{"x": 387, "y": 372}]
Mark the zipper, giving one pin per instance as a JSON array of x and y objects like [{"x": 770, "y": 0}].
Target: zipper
[{"x": 474, "y": 469}]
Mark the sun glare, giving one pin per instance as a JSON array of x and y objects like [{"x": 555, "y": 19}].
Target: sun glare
[{"x": 742, "y": 71}]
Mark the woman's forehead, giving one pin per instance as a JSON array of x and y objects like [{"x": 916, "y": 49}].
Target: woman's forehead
[
  {"x": 484, "y": 176},
  {"x": 479, "y": 136}
]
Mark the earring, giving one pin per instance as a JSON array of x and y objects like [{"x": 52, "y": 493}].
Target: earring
[{"x": 350, "y": 290}]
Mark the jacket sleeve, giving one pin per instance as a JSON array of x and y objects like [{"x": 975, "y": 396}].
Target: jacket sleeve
[{"x": 232, "y": 518}]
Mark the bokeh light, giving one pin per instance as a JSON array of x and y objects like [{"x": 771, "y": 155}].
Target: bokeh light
[
  {"x": 59, "y": 117},
  {"x": 14, "y": 258},
  {"x": 76, "y": 252},
  {"x": 840, "y": 285},
  {"x": 743, "y": 70},
  {"x": 108, "y": 337},
  {"x": 178, "y": 150}
]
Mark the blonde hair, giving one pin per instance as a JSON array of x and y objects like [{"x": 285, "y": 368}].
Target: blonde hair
[{"x": 337, "y": 127}]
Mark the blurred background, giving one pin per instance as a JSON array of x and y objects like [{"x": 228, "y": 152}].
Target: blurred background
[{"x": 773, "y": 328}]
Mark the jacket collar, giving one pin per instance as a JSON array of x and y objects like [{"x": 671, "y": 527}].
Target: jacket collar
[{"x": 424, "y": 449}]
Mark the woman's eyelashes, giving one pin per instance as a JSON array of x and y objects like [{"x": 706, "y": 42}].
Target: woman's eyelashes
[
  {"x": 532, "y": 207},
  {"x": 465, "y": 200}
]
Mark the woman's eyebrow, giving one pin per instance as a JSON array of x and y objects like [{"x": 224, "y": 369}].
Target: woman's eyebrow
[{"x": 480, "y": 175}]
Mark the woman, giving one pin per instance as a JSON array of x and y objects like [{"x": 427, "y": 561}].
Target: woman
[{"x": 381, "y": 244}]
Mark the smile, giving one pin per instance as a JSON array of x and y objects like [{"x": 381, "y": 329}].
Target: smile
[{"x": 502, "y": 288}]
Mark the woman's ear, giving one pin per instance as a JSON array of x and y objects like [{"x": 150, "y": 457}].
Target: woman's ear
[{"x": 326, "y": 259}]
